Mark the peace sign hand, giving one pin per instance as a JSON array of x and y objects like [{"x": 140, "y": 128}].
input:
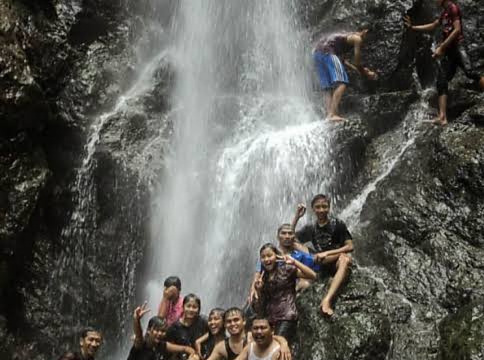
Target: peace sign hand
[{"x": 140, "y": 311}]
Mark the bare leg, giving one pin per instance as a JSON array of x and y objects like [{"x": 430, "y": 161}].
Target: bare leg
[
  {"x": 481, "y": 83},
  {"x": 335, "y": 100},
  {"x": 327, "y": 100},
  {"x": 342, "y": 265},
  {"x": 442, "y": 119}
]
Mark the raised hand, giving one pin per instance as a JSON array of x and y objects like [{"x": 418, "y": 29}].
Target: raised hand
[
  {"x": 287, "y": 259},
  {"x": 300, "y": 211},
  {"x": 140, "y": 311},
  {"x": 259, "y": 283}
]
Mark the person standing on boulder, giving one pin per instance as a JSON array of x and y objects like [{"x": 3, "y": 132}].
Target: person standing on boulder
[
  {"x": 331, "y": 71},
  {"x": 332, "y": 243},
  {"x": 451, "y": 52}
]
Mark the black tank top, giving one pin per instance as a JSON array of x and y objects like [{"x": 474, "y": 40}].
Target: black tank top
[{"x": 230, "y": 354}]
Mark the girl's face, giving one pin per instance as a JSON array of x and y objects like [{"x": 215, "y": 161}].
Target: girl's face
[
  {"x": 268, "y": 259},
  {"x": 215, "y": 323},
  {"x": 191, "y": 309}
]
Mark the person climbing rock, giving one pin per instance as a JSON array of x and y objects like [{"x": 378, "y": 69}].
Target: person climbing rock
[
  {"x": 331, "y": 241},
  {"x": 287, "y": 246},
  {"x": 190, "y": 326},
  {"x": 450, "y": 53},
  {"x": 264, "y": 346},
  {"x": 216, "y": 333},
  {"x": 171, "y": 305},
  {"x": 276, "y": 289},
  {"x": 152, "y": 346},
  {"x": 90, "y": 341},
  {"x": 333, "y": 77}
]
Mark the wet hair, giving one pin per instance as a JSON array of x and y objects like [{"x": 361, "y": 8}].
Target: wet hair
[
  {"x": 173, "y": 281},
  {"x": 157, "y": 322},
  {"x": 87, "y": 330},
  {"x": 279, "y": 229},
  {"x": 259, "y": 317},
  {"x": 234, "y": 310},
  {"x": 320, "y": 197},
  {"x": 194, "y": 297},
  {"x": 269, "y": 246},
  {"x": 219, "y": 311}
]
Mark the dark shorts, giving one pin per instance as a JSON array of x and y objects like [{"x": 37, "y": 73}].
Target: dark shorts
[
  {"x": 455, "y": 57},
  {"x": 330, "y": 70},
  {"x": 286, "y": 329}
]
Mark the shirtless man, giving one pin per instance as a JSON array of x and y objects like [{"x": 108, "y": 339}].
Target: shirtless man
[
  {"x": 264, "y": 346},
  {"x": 450, "y": 52},
  {"x": 332, "y": 73},
  {"x": 231, "y": 348}
]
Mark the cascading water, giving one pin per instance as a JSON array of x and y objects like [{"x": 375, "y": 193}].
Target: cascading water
[{"x": 247, "y": 146}]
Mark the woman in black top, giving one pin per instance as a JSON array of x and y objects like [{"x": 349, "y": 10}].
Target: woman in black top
[
  {"x": 216, "y": 333},
  {"x": 191, "y": 325}
]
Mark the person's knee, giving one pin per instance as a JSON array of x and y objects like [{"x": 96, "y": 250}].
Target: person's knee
[{"x": 344, "y": 260}]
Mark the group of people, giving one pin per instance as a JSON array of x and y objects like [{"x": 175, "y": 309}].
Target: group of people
[
  {"x": 449, "y": 55},
  {"x": 179, "y": 331},
  {"x": 266, "y": 327}
]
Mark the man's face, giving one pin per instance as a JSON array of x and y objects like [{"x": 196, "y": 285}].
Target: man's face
[
  {"x": 286, "y": 237},
  {"x": 262, "y": 332},
  {"x": 90, "y": 344},
  {"x": 156, "y": 335},
  {"x": 321, "y": 209},
  {"x": 234, "y": 323}
]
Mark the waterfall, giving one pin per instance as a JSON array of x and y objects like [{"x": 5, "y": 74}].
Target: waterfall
[{"x": 247, "y": 147}]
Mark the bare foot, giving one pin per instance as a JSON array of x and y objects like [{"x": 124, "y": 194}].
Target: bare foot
[
  {"x": 326, "y": 308},
  {"x": 335, "y": 118},
  {"x": 440, "y": 121}
]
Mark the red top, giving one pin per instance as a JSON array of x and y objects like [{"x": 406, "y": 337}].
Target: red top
[{"x": 447, "y": 18}]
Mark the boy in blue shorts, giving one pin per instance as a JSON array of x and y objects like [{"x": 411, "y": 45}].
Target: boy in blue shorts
[{"x": 332, "y": 73}]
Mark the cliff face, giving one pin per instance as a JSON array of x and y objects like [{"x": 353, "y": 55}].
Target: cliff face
[{"x": 417, "y": 290}]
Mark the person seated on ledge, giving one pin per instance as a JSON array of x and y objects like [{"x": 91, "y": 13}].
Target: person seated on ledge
[
  {"x": 331, "y": 71},
  {"x": 332, "y": 242},
  {"x": 231, "y": 347},
  {"x": 276, "y": 290},
  {"x": 90, "y": 342},
  {"x": 264, "y": 346},
  {"x": 216, "y": 333},
  {"x": 450, "y": 53},
  {"x": 287, "y": 246},
  {"x": 171, "y": 305},
  {"x": 153, "y": 346}
]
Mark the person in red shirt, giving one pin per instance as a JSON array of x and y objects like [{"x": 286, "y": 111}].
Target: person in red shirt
[{"x": 450, "y": 52}]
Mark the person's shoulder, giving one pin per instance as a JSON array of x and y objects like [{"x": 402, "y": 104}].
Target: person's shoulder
[
  {"x": 453, "y": 8},
  {"x": 338, "y": 222}
]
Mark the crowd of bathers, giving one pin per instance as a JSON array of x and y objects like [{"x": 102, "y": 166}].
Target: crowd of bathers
[{"x": 266, "y": 327}]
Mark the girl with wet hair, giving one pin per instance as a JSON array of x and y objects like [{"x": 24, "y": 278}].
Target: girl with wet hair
[
  {"x": 190, "y": 326},
  {"x": 216, "y": 333},
  {"x": 277, "y": 289}
]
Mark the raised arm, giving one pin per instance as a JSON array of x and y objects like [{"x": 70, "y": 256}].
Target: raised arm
[
  {"x": 138, "y": 331},
  {"x": 303, "y": 271},
  {"x": 420, "y": 28},
  {"x": 300, "y": 211}
]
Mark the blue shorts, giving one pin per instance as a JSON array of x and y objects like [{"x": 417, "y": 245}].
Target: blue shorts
[{"x": 330, "y": 70}]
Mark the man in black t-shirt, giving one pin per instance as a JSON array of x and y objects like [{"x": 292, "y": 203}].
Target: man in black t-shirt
[
  {"x": 331, "y": 242},
  {"x": 153, "y": 346}
]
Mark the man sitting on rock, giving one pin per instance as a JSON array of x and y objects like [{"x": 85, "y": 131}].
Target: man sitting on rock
[
  {"x": 332, "y": 74},
  {"x": 331, "y": 241},
  {"x": 89, "y": 343},
  {"x": 450, "y": 51}
]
